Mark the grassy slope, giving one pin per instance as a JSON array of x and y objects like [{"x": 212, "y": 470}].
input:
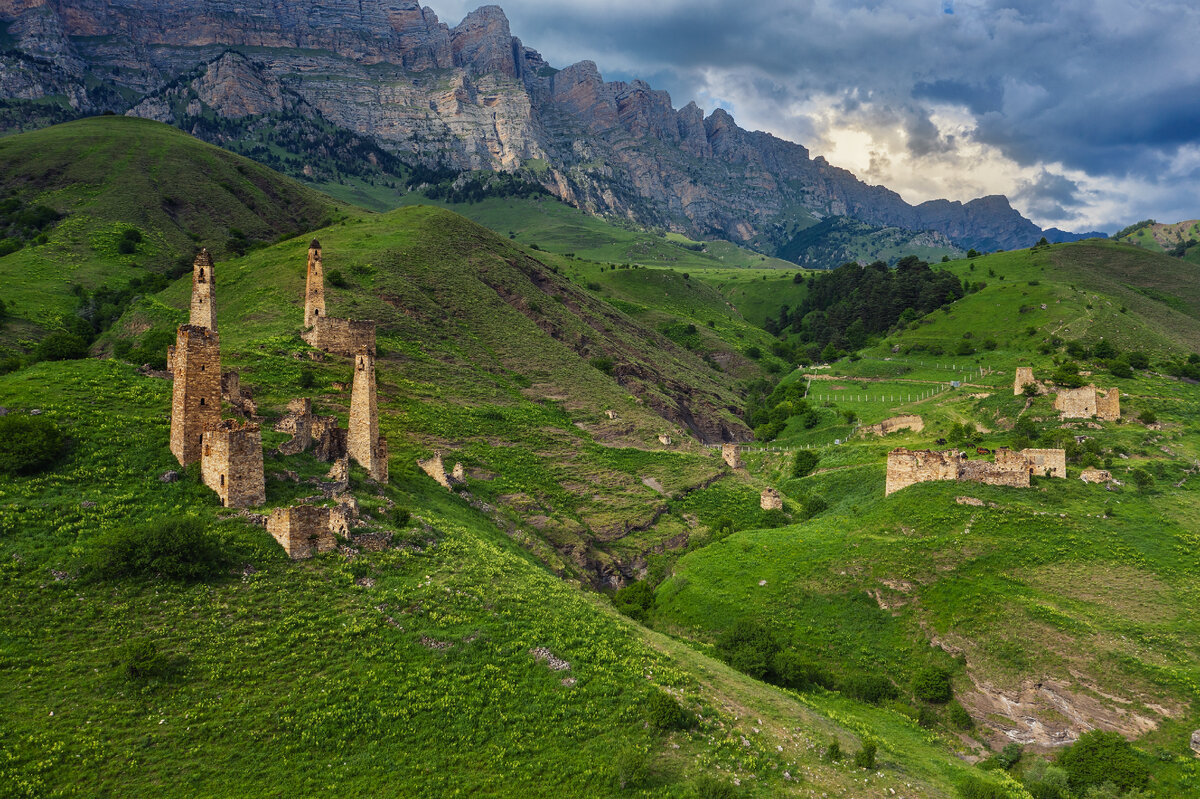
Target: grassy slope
[
  {"x": 1026, "y": 594},
  {"x": 1166, "y": 237},
  {"x": 108, "y": 174}
]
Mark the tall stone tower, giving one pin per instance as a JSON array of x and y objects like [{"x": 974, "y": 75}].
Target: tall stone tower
[
  {"x": 196, "y": 398},
  {"x": 363, "y": 441},
  {"x": 314, "y": 291},
  {"x": 204, "y": 280}
]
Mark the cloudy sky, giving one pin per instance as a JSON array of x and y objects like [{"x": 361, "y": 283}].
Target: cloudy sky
[{"x": 1086, "y": 113}]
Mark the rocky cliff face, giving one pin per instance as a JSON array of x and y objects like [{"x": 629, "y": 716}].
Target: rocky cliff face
[{"x": 467, "y": 97}]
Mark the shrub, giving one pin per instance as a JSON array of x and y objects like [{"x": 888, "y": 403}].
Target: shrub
[
  {"x": 958, "y": 717},
  {"x": 126, "y": 247},
  {"x": 1120, "y": 369},
  {"x": 794, "y": 671},
  {"x": 1138, "y": 360},
  {"x": 1148, "y": 417},
  {"x": 603, "y": 364},
  {"x": 865, "y": 757},
  {"x": 307, "y": 379},
  {"x": 973, "y": 787},
  {"x": 871, "y": 688},
  {"x": 400, "y": 516},
  {"x": 336, "y": 278},
  {"x": 1009, "y": 756},
  {"x": 630, "y": 767},
  {"x": 926, "y": 717},
  {"x": 834, "y": 753},
  {"x": 663, "y": 712},
  {"x": 179, "y": 548},
  {"x": 28, "y": 444},
  {"x": 635, "y": 600},
  {"x": 61, "y": 346},
  {"x": 139, "y": 660},
  {"x": 749, "y": 647},
  {"x": 932, "y": 685},
  {"x": 1098, "y": 757}
]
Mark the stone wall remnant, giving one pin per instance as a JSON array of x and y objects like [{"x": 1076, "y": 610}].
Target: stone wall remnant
[
  {"x": 906, "y": 467},
  {"x": 238, "y": 399},
  {"x": 435, "y": 467},
  {"x": 1047, "y": 462},
  {"x": 1086, "y": 402},
  {"x": 204, "y": 281},
  {"x": 665, "y": 440},
  {"x": 196, "y": 393},
  {"x": 731, "y": 456},
  {"x": 771, "y": 499},
  {"x": 1024, "y": 378},
  {"x": 363, "y": 441},
  {"x": 1092, "y": 475},
  {"x": 232, "y": 464},
  {"x": 302, "y": 530},
  {"x": 896, "y": 423},
  {"x": 314, "y": 288}
]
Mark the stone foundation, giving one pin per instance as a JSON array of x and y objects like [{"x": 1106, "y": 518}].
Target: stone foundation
[
  {"x": 895, "y": 424},
  {"x": 302, "y": 530}
]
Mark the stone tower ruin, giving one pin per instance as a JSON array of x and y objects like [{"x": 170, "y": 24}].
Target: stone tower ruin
[
  {"x": 196, "y": 397},
  {"x": 729, "y": 453},
  {"x": 314, "y": 291},
  {"x": 232, "y": 464},
  {"x": 204, "y": 309},
  {"x": 363, "y": 441},
  {"x": 1024, "y": 377}
]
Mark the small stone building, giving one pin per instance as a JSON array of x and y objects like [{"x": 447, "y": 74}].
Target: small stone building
[
  {"x": 731, "y": 456},
  {"x": 1086, "y": 402},
  {"x": 1047, "y": 462},
  {"x": 232, "y": 464},
  {"x": 302, "y": 530},
  {"x": 771, "y": 499}
]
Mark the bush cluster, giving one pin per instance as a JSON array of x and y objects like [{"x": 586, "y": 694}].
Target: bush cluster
[
  {"x": 174, "y": 548},
  {"x": 28, "y": 444}
]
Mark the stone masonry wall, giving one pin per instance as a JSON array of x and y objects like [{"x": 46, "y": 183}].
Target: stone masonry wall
[
  {"x": 906, "y": 467},
  {"x": 1024, "y": 378},
  {"x": 1047, "y": 462},
  {"x": 302, "y": 530},
  {"x": 314, "y": 289},
  {"x": 1009, "y": 469},
  {"x": 363, "y": 441},
  {"x": 435, "y": 467},
  {"x": 731, "y": 456},
  {"x": 204, "y": 280},
  {"x": 232, "y": 464},
  {"x": 771, "y": 499},
  {"x": 341, "y": 336},
  {"x": 1108, "y": 405},
  {"x": 1076, "y": 403},
  {"x": 896, "y": 423},
  {"x": 196, "y": 393}
]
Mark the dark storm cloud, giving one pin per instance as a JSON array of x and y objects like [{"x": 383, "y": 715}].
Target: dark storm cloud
[
  {"x": 1050, "y": 196},
  {"x": 1107, "y": 87}
]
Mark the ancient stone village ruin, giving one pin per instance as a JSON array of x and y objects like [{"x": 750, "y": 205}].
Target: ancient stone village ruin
[
  {"x": 230, "y": 453},
  {"x": 906, "y": 467}
]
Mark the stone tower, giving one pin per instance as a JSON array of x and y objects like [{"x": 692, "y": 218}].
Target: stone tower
[
  {"x": 204, "y": 309},
  {"x": 1024, "y": 377},
  {"x": 363, "y": 441},
  {"x": 196, "y": 398},
  {"x": 232, "y": 464},
  {"x": 314, "y": 291}
]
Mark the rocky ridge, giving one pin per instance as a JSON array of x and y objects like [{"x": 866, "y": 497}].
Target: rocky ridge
[{"x": 468, "y": 97}]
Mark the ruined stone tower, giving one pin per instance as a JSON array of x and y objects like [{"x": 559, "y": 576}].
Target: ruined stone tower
[
  {"x": 204, "y": 309},
  {"x": 196, "y": 398},
  {"x": 314, "y": 291},
  {"x": 232, "y": 464},
  {"x": 363, "y": 441},
  {"x": 729, "y": 453},
  {"x": 1024, "y": 377}
]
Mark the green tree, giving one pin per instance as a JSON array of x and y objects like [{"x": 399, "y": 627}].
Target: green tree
[
  {"x": 804, "y": 462},
  {"x": 1099, "y": 757},
  {"x": 28, "y": 444}
]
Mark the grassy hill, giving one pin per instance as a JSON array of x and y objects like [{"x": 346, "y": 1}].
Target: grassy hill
[
  {"x": 430, "y": 668},
  {"x": 1179, "y": 239},
  {"x": 116, "y": 180}
]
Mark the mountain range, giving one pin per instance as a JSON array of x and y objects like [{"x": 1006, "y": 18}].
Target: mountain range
[{"x": 382, "y": 82}]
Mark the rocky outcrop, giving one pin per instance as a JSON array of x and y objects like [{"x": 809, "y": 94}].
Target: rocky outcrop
[{"x": 472, "y": 97}]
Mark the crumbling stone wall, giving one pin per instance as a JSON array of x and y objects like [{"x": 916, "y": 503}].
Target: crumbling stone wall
[
  {"x": 298, "y": 422},
  {"x": 232, "y": 464},
  {"x": 1108, "y": 405},
  {"x": 204, "y": 280},
  {"x": 314, "y": 289},
  {"x": 896, "y": 423},
  {"x": 363, "y": 441},
  {"x": 1091, "y": 475},
  {"x": 302, "y": 530},
  {"x": 1047, "y": 462},
  {"x": 1024, "y": 378},
  {"x": 435, "y": 467},
  {"x": 1009, "y": 469},
  {"x": 906, "y": 467},
  {"x": 341, "y": 336},
  {"x": 331, "y": 439},
  {"x": 239, "y": 400},
  {"x": 731, "y": 456},
  {"x": 665, "y": 440},
  {"x": 196, "y": 394},
  {"x": 1086, "y": 402},
  {"x": 771, "y": 499}
]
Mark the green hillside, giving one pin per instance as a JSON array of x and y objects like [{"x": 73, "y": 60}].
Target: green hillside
[
  {"x": 1181, "y": 239},
  {"x": 135, "y": 197},
  {"x": 482, "y": 652}
]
